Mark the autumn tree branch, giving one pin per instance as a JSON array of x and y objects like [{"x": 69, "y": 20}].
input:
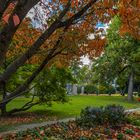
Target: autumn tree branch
[
  {"x": 3, "y": 6},
  {"x": 34, "y": 48},
  {"x": 22, "y": 88},
  {"x": 6, "y": 34}
]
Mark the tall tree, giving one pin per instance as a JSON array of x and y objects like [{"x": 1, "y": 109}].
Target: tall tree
[
  {"x": 120, "y": 58},
  {"x": 62, "y": 17}
]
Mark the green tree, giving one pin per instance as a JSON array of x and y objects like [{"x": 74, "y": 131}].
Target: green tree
[
  {"x": 48, "y": 87},
  {"x": 120, "y": 59},
  {"x": 81, "y": 72}
]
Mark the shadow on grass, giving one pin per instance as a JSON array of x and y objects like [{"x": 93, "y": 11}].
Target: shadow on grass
[{"x": 51, "y": 113}]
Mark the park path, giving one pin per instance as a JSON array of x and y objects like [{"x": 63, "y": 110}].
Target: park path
[
  {"x": 133, "y": 110},
  {"x": 33, "y": 125}
]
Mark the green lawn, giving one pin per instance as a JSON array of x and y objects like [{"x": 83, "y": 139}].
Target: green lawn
[
  {"x": 76, "y": 103},
  {"x": 58, "y": 111}
]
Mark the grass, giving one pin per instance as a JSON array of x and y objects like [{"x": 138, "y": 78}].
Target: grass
[
  {"x": 58, "y": 111},
  {"x": 74, "y": 106}
]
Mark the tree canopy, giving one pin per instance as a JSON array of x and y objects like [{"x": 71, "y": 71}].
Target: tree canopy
[
  {"x": 64, "y": 26},
  {"x": 120, "y": 58}
]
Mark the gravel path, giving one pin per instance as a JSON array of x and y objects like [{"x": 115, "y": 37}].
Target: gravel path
[{"x": 32, "y": 125}]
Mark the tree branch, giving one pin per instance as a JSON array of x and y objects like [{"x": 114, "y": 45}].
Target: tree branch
[
  {"x": 24, "y": 108},
  {"x": 3, "y": 6},
  {"x": 21, "y": 89},
  {"x": 8, "y": 31},
  {"x": 33, "y": 49},
  {"x": 77, "y": 15}
]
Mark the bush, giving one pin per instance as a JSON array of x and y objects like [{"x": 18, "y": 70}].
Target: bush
[
  {"x": 90, "y": 89},
  {"x": 114, "y": 114},
  {"x": 90, "y": 116},
  {"x": 106, "y": 89},
  {"x": 102, "y": 89},
  {"x": 110, "y": 90},
  {"x": 109, "y": 115}
]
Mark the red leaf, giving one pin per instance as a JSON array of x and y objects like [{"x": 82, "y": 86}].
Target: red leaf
[
  {"x": 16, "y": 20},
  {"x": 6, "y": 18}
]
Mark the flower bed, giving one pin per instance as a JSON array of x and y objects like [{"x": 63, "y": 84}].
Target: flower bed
[
  {"x": 70, "y": 131},
  {"x": 105, "y": 123}
]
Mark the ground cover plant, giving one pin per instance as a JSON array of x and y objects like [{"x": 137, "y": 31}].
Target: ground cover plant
[
  {"x": 73, "y": 131},
  {"x": 70, "y": 131},
  {"x": 134, "y": 118}
]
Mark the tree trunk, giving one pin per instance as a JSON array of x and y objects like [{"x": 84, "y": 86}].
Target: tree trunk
[
  {"x": 3, "y": 107},
  {"x": 130, "y": 86},
  {"x": 3, "y": 110}
]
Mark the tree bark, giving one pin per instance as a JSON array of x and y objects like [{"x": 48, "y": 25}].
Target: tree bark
[
  {"x": 3, "y": 107},
  {"x": 130, "y": 86}
]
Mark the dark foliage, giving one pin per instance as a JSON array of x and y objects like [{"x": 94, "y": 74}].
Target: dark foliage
[
  {"x": 90, "y": 89},
  {"x": 114, "y": 114},
  {"x": 109, "y": 115}
]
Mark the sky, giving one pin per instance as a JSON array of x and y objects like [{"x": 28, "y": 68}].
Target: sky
[{"x": 85, "y": 60}]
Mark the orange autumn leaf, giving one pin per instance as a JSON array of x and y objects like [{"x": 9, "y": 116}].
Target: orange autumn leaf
[
  {"x": 16, "y": 20},
  {"x": 106, "y": 3},
  {"x": 6, "y": 18}
]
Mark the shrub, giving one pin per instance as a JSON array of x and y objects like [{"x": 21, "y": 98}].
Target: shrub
[
  {"x": 109, "y": 115},
  {"x": 90, "y": 89},
  {"x": 102, "y": 89},
  {"x": 110, "y": 90},
  {"x": 114, "y": 114},
  {"x": 134, "y": 118},
  {"x": 90, "y": 116},
  {"x": 106, "y": 89},
  {"x": 138, "y": 99}
]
